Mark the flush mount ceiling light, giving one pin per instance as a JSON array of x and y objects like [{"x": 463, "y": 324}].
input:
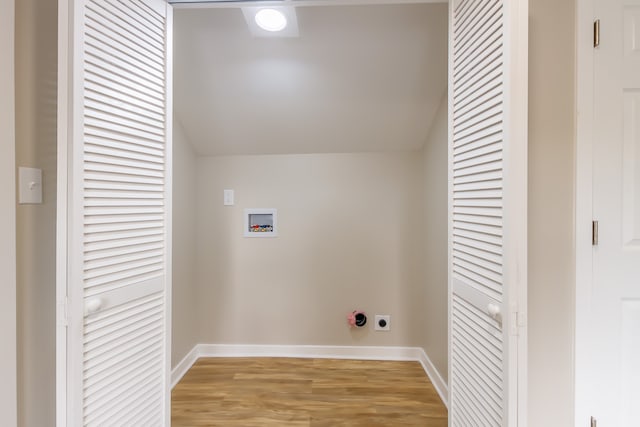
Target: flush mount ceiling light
[{"x": 273, "y": 21}]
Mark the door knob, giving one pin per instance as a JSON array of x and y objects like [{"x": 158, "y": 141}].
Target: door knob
[
  {"x": 93, "y": 305},
  {"x": 493, "y": 310}
]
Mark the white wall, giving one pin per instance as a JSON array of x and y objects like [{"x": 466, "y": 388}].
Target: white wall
[
  {"x": 8, "y": 400},
  {"x": 551, "y": 213},
  {"x": 433, "y": 304},
  {"x": 349, "y": 238},
  {"x": 36, "y": 79},
  {"x": 184, "y": 299}
]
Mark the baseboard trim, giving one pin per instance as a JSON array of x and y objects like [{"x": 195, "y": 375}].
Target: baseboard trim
[
  {"x": 309, "y": 351},
  {"x": 185, "y": 364},
  {"x": 436, "y": 379},
  {"x": 416, "y": 354}
]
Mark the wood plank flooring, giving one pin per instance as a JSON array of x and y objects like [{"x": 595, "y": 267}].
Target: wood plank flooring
[{"x": 305, "y": 392}]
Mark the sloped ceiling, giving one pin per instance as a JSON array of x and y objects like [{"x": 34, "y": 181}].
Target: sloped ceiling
[{"x": 357, "y": 79}]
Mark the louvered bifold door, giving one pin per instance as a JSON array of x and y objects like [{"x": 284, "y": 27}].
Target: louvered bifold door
[
  {"x": 482, "y": 357},
  {"x": 120, "y": 209}
]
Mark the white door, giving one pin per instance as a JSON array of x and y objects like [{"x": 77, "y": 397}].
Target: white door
[
  {"x": 487, "y": 230},
  {"x": 114, "y": 234},
  {"x": 615, "y": 299}
]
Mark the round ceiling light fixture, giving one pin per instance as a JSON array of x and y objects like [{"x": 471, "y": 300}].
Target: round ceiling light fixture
[{"x": 271, "y": 20}]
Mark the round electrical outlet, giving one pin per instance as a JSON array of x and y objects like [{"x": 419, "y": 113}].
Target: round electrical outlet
[
  {"x": 361, "y": 320},
  {"x": 382, "y": 323}
]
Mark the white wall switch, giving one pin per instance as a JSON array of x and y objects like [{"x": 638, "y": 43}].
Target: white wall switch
[
  {"x": 30, "y": 186},
  {"x": 228, "y": 198}
]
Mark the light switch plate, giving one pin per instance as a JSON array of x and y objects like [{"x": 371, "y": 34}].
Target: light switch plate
[
  {"x": 228, "y": 198},
  {"x": 30, "y": 186}
]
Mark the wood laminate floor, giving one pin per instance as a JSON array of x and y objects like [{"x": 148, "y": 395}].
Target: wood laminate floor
[{"x": 305, "y": 392}]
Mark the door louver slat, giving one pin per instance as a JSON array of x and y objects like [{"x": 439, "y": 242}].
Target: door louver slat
[
  {"x": 138, "y": 18},
  {"x": 104, "y": 400},
  {"x": 117, "y": 87},
  {"x": 486, "y": 136},
  {"x": 105, "y": 57},
  {"x": 143, "y": 112},
  {"x": 135, "y": 56},
  {"x": 493, "y": 90},
  {"x": 101, "y": 111},
  {"x": 124, "y": 28},
  {"x": 472, "y": 24},
  {"x": 96, "y": 91},
  {"x": 472, "y": 354}
]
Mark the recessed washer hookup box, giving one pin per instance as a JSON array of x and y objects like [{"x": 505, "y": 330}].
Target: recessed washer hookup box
[{"x": 260, "y": 222}]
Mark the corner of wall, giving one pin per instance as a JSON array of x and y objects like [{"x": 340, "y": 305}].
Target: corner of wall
[
  {"x": 434, "y": 340},
  {"x": 184, "y": 299}
]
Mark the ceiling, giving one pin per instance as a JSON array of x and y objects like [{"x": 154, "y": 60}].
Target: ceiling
[{"x": 357, "y": 79}]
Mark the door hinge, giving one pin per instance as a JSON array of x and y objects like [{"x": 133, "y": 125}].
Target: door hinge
[
  {"x": 63, "y": 312},
  {"x": 518, "y": 321},
  {"x": 596, "y": 33},
  {"x": 594, "y": 422},
  {"x": 594, "y": 233}
]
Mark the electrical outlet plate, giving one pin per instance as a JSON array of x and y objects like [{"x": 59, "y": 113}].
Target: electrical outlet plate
[
  {"x": 386, "y": 318},
  {"x": 228, "y": 198}
]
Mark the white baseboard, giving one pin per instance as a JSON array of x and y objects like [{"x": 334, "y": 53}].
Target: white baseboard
[
  {"x": 185, "y": 364},
  {"x": 317, "y": 352},
  {"x": 436, "y": 379},
  {"x": 309, "y": 351}
]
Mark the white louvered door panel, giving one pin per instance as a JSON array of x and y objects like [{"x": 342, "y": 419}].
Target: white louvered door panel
[
  {"x": 485, "y": 231},
  {"x": 120, "y": 206}
]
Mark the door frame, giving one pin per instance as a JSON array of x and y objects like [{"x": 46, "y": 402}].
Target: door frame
[
  {"x": 67, "y": 131},
  {"x": 516, "y": 270},
  {"x": 66, "y": 64},
  {"x": 62, "y": 211},
  {"x": 233, "y": 4},
  {"x": 584, "y": 208}
]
